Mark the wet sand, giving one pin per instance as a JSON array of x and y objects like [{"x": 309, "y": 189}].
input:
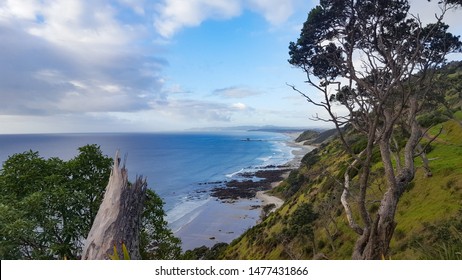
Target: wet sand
[{"x": 220, "y": 221}]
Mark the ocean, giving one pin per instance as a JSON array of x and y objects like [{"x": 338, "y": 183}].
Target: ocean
[{"x": 179, "y": 167}]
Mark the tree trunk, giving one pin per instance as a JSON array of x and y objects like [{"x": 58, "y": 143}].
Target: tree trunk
[
  {"x": 375, "y": 240},
  {"x": 118, "y": 219}
]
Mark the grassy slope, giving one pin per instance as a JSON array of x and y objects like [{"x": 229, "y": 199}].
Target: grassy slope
[
  {"x": 428, "y": 201},
  {"x": 269, "y": 240},
  {"x": 435, "y": 199},
  {"x": 429, "y": 214}
]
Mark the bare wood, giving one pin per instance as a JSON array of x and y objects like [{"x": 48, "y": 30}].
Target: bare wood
[
  {"x": 346, "y": 194},
  {"x": 119, "y": 217}
]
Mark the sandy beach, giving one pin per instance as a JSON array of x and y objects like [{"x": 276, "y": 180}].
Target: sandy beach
[
  {"x": 298, "y": 153},
  {"x": 223, "y": 220},
  {"x": 219, "y": 222}
]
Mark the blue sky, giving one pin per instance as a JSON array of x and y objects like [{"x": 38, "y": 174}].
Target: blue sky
[{"x": 140, "y": 65}]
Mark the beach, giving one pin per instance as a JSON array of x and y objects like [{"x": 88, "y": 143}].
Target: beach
[{"x": 233, "y": 208}]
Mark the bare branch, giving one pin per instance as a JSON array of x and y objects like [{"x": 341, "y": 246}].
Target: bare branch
[{"x": 429, "y": 142}]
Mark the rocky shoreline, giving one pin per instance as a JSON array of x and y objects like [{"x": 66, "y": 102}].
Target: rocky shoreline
[
  {"x": 260, "y": 180},
  {"x": 249, "y": 184}
]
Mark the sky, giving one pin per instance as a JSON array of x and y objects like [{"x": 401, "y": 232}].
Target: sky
[{"x": 149, "y": 66}]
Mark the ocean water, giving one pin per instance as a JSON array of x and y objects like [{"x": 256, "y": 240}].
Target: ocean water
[{"x": 178, "y": 166}]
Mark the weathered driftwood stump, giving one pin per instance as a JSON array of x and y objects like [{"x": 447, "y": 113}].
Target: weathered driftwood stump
[{"x": 118, "y": 220}]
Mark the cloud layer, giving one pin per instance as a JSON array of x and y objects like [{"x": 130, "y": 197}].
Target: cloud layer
[
  {"x": 235, "y": 92},
  {"x": 173, "y": 15},
  {"x": 72, "y": 56}
]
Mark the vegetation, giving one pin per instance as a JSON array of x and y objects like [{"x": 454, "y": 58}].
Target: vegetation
[
  {"x": 428, "y": 215},
  {"x": 48, "y": 207},
  {"x": 205, "y": 253},
  {"x": 307, "y": 135},
  {"x": 383, "y": 93}
]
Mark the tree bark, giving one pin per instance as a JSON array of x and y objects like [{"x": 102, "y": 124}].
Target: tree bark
[
  {"x": 375, "y": 240},
  {"x": 118, "y": 220}
]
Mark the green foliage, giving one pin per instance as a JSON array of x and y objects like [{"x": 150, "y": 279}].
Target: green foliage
[
  {"x": 441, "y": 240},
  {"x": 267, "y": 209},
  {"x": 428, "y": 221},
  {"x": 157, "y": 240},
  {"x": 458, "y": 115},
  {"x": 205, "y": 253},
  {"x": 311, "y": 158},
  {"x": 291, "y": 185},
  {"x": 115, "y": 255},
  {"x": 432, "y": 118},
  {"x": 307, "y": 135},
  {"x": 326, "y": 23},
  {"x": 48, "y": 207},
  {"x": 54, "y": 202},
  {"x": 301, "y": 222}
]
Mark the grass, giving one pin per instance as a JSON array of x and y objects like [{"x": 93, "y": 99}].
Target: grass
[
  {"x": 458, "y": 115},
  {"x": 432, "y": 199},
  {"x": 427, "y": 201}
]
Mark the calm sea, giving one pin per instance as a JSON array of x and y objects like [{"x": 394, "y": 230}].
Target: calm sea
[{"x": 176, "y": 164}]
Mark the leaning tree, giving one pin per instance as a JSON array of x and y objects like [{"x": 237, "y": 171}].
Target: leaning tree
[{"x": 378, "y": 62}]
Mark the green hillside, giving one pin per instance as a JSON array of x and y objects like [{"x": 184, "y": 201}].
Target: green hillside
[{"x": 312, "y": 222}]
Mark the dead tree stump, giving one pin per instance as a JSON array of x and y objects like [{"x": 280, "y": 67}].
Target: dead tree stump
[{"x": 119, "y": 217}]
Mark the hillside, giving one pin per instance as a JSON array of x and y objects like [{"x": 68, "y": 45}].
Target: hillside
[{"x": 312, "y": 223}]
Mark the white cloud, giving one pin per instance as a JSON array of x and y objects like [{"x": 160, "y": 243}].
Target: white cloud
[
  {"x": 85, "y": 29},
  {"x": 173, "y": 15},
  {"x": 274, "y": 11},
  {"x": 176, "y": 14},
  {"x": 136, "y": 5},
  {"x": 239, "y": 106},
  {"x": 191, "y": 110},
  {"x": 235, "y": 92},
  {"x": 20, "y": 10}
]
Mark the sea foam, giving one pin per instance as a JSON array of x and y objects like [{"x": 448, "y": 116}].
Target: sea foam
[{"x": 184, "y": 212}]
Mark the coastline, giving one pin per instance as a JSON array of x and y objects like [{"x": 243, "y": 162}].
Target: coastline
[
  {"x": 299, "y": 153},
  {"x": 234, "y": 208}
]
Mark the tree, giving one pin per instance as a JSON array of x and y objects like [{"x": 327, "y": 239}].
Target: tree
[
  {"x": 48, "y": 205},
  {"x": 455, "y": 2},
  {"x": 157, "y": 241},
  {"x": 378, "y": 62},
  {"x": 46, "y": 219}
]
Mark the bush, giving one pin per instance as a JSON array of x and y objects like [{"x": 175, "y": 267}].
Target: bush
[
  {"x": 311, "y": 158},
  {"x": 301, "y": 222},
  {"x": 432, "y": 118}
]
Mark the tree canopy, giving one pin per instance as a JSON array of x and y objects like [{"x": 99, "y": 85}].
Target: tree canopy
[{"x": 48, "y": 207}]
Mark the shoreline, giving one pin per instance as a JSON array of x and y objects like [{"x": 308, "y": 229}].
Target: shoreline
[
  {"x": 235, "y": 206},
  {"x": 293, "y": 164}
]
